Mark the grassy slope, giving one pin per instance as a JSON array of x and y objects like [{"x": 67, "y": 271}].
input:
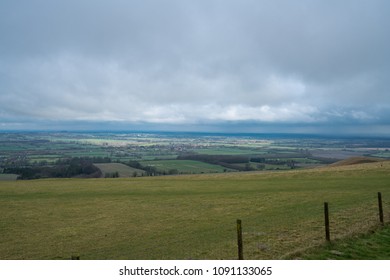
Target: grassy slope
[
  {"x": 356, "y": 160},
  {"x": 374, "y": 245},
  {"x": 187, "y": 217}
]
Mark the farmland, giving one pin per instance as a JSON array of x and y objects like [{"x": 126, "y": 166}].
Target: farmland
[
  {"x": 27, "y": 153},
  {"x": 106, "y": 196},
  {"x": 188, "y": 216},
  {"x": 122, "y": 170}
]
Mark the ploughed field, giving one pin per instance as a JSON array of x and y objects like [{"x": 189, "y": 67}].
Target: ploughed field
[{"x": 189, "y": 216}]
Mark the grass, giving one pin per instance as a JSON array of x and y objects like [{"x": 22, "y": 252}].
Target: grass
[
  {"x": 356, "y": 160},
  {"x": 374, "y": 245},
  {"x": 7, "y": 177},
  {"x": 188, "y": 217},
  {"x": 123, "y": 170}
]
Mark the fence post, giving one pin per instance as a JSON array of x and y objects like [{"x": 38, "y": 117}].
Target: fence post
[
  {"x": 326, "y": 212},
  {"x": 239, "y": 241},
  {"x": 380, "y": 208}
]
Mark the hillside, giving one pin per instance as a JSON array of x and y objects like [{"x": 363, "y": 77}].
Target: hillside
[
  {"x": 356, "y": 160},
  {"x": 188, "y": 216},
  {"x": 374, "y": 245}
]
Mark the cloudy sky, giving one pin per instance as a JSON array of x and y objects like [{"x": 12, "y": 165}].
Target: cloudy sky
[{"x": 221, "y": 65}]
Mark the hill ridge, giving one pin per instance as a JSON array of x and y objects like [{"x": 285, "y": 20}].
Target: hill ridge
[{"x": 356, "y": 160}]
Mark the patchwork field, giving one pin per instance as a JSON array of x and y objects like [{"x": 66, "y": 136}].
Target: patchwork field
[{"x": 189, "y": 216}]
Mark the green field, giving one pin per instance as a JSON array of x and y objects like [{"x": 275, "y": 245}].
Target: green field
[
  {"x": 374, "y": 245},
  {"x": 7, "y": 177},
  {"x": 189, "y": 216},
  {"x": 185, "y": 166},
  {"x": 123, "y": 170}
]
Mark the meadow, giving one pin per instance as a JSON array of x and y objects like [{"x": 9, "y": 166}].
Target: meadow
[
  {"x": 189, "y": 216},
  {"x": 374, "y": 245},
  {"x": 174, "y": 153}
]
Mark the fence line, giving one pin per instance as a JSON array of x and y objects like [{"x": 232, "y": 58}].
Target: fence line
[
  {"x": 380, "y": 206},
  {"x": 326, "y": 222},
  {"x": 239, "y": 241},
  {"x": 327, "y": 229}
]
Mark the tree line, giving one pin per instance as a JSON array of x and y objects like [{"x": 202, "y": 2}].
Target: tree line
[
  {"x": 65, "y": 168},
  {"x": 151, "y": 170}
]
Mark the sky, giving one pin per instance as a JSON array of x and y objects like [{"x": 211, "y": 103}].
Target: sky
[{"x": 305, "y": 66}]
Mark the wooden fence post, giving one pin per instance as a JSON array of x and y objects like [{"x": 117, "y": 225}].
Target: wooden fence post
[
  {"x": 239, "y": 241},
  {"x": 327, "y": 230},
  {"x": 380, "y": 208}
]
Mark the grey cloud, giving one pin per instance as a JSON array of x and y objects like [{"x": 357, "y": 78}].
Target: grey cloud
[{"x": 195, "y": 61}]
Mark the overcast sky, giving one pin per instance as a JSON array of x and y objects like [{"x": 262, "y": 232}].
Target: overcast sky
[{"x": 223, "y": 65}]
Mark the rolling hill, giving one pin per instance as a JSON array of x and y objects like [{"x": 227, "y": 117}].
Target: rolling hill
[
  {"x": 357, "y": 160},
  {"x": 189, "y": 216}
]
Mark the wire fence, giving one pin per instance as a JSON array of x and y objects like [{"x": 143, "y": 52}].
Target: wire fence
[{"x": 333, "y": 223}]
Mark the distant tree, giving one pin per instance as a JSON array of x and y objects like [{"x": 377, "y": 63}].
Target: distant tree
[
  {"x": 248, "y": 167},
  {"x": 291, "y": 164},
  {"x": 150, "y": 170},
  {"x": 258, "y": 159},
  {"x": 42, "y": 163},
  {"x": 173, "y": 171},
  {"x": 260, "y": 166},
  {"x": 112, "y": 174}
]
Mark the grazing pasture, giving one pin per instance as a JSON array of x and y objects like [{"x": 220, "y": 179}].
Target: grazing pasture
[
  {"x": 373, "y": 245},
  {"x": 189, "y": 216}
]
